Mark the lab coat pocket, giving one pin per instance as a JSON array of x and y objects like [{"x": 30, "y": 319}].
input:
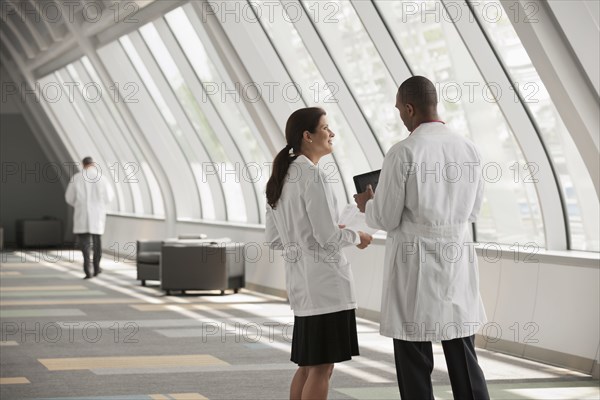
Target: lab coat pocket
[
  {"x": 296, "y": 286},
  {"x": 344, "y": 271},
  {"x": 405, "y": 276},
  {"x": 346, "y": 281}
]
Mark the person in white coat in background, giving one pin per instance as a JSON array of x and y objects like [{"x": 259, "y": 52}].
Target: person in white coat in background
[
  {"x": 89, "y": 194},
  {"x": 429, "y": 192},
  {"x": 301, "y": 220}
]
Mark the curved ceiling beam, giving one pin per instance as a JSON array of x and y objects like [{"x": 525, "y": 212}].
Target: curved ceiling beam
[
  {"x": 50, "y": 25},
  {"x": 41, "y": 40},
  {"x": 10, "y": 37},
  {"x": 29, "y": 52},
  {"x": 9, "y": 46}
]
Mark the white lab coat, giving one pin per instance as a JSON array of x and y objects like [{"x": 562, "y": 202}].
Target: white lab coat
[
  {"x": 304, "y": 225},
  {"x": 429, "y": 191},
  {"x": 90, "y": 194}
]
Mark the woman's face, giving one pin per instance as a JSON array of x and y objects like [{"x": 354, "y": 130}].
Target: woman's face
[{"x": 322, "y": 138}]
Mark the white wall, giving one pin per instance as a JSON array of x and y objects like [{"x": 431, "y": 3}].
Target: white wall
[
  {"x": 552, "y": 305},
  {"x": 547, "y": 310},
  {"x": 29, "y": 172}
]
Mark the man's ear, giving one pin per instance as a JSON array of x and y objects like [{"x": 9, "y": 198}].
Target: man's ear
[{"x": 410, "y": 109}]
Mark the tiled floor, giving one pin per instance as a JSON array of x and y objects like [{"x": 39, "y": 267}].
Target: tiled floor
[{"x": 109, "y": 338}]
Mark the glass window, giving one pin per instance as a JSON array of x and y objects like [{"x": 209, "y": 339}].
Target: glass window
[
  {"x": 236, "y": 210},
  {"x": 83, "y": 96},
  {"x": 157, "y": 199},
  {"x": 151, "y": 117},
  {"x": 316, "y": 92},
  {"x": 58, "y": 94},
  {"x": 433, "y": 48},
  {"x": 243, "y": 131},
  {"x": 146, "y": 201},
  {"x": 181, "y": 90},
  {"x": 578, "y": 189},
  {"x": 48, "y": 84},
  {"x": 361, "y": 65},
  {"x": 167, "y": 110}
]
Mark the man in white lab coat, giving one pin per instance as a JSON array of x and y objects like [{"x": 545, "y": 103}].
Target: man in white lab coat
[
  {"x": 90, "y": 194},
  {"x": 429, "y": 192}
]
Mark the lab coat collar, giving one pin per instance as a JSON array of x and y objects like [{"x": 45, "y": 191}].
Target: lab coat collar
[
  {"x": 427, "y": 127},
  {"x": 304, "y": 159}
]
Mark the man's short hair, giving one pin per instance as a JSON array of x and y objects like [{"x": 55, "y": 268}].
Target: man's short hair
[
  {"x": 418, "y": 91},
  {"x": 87, "y": 161}
]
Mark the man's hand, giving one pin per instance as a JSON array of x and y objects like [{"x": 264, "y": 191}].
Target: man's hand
[
  {"x": 362, "y": 198},
  {"x": 365, "y": 240}
]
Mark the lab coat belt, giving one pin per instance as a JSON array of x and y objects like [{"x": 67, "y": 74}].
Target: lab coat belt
[{"x": 445, "y": 231}]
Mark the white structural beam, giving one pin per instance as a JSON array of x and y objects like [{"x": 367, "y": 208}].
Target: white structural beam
[
  {"x": 216, "y": 123},
  {"x": 29, "y": 51},
  {"x": 41, "y": 41},
  {"x": 96, "y": 135},
  {"x": 225, "y": 59},
  {"x": 254, "y": 50},
  {"x": 50, "y": 27},
  {"x": 553, "y": 59},
  {"x": 521, "y": 125},
  {"x": 577, "y": 19},
  {"x": 154, "y": 161},
  {"x": 382, "y": 40},
  {"x": 353, "y": 113},
  {"x": 190, "y": 139},
  {"x": 262, "y": 116}
]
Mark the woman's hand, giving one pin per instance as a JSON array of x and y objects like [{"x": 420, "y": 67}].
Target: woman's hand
[{"x": 365, "y": 240}]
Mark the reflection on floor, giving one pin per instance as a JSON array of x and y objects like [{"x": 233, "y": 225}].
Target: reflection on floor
[{"x": 110, "y": 338}]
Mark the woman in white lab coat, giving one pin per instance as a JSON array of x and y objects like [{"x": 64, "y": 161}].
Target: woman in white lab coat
[{"x": 302, "y": 217}]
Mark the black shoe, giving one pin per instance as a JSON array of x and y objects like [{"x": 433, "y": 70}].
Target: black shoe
[
  {"x": 98, "y": 272},
  {"x": 87, "y": 277}
]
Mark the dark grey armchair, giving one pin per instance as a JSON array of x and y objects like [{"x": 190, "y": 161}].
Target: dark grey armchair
[
  {"x": 148, "y": 255},
  {"x": 148, "y": 260},
  {"x": 202, "y": 266}
]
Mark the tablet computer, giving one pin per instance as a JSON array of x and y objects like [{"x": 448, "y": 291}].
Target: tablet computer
[{"x": 361, "y": 181}]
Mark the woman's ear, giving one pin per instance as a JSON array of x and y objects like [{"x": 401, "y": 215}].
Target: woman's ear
[{"x": 306, "y": 136}]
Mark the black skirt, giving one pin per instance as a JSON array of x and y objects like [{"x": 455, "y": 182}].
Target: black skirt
[{"x": 324, "y": 338}]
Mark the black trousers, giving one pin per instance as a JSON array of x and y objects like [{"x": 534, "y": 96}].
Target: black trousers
[
  {"x": 84, "y": 244},
  {"x": 414, "y": 364}
]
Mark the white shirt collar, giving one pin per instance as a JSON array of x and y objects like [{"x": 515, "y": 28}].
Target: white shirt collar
[{"x": 304, "y": 159}]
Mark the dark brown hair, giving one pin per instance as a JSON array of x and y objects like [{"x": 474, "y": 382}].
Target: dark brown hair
[
  {"x": 87, "y": 161},
  {"x": 304, "y": 119}
]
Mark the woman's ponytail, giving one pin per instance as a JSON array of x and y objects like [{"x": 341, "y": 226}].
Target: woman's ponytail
[{"x": 281, "y": 164}]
